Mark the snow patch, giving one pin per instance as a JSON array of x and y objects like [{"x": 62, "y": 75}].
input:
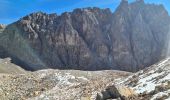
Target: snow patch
[
  {"x": 166, "y": 78},
  {"x": 146, "y": 80},
  {"x": 160, "y": 94},
  {"x": 64, "y": 79},
  {"x": 83, "y": 78}
]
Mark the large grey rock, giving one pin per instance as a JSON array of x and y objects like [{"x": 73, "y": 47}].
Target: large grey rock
[{"x": 131, "y": 38}]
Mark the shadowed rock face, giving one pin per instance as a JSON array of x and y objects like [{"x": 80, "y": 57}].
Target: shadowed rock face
[{"x": 131, "y": 38}]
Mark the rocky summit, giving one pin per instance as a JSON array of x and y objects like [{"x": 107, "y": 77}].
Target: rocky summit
[{"x": 131, "y": 38}]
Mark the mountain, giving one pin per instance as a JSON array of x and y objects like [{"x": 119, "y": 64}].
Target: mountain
[
  {"x": 152, "y": 83},
  {"x": 133, "y": 37}
]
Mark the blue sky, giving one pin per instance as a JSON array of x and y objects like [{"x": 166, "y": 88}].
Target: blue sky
[{"x": 12, "y": 10}]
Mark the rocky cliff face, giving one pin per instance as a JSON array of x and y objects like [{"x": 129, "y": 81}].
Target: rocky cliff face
[{"x": 131, "y": 38}]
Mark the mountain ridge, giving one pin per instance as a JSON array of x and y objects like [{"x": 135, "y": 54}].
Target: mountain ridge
[{"x": 131, "y": 38}]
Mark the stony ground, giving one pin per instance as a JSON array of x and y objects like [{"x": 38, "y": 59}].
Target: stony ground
[
  {"x": 56, "y": 84},
  {"x": 7, "y": 67},
  {"x": 152, "y": 83}
]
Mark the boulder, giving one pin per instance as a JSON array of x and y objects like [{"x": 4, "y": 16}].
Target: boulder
[{"x": 117, "y": 93}]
